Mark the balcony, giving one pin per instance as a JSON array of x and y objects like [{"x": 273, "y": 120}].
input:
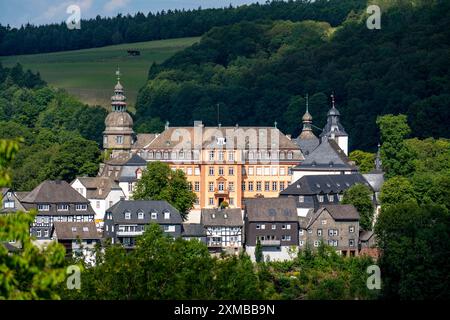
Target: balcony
[
  {"x": 270, "y": 243},
  {"x": 221, "y": 192},
  {"x": 129, "y": 233}
]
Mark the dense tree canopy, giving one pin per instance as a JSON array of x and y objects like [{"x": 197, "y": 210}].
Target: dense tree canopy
[
  {"x": 56, "y": 130},
  {"x": 360, "y": 196},
  {"x": 416, "y": 243},
  {"x": 162, "y": 25},
  {"x": 259, "y": 73},
  {"x": 32, "y": 272},
  {"x": 159, "y": 182}
]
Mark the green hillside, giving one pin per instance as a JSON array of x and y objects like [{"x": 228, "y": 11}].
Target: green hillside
[{"x": 89, "y": 74}]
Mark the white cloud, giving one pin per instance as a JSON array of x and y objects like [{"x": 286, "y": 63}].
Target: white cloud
[
  {"x": 115, "y": 4},
  {"x": 58, "y": 12}
]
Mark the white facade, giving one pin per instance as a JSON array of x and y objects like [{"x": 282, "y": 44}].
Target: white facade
[
  {"x": 99, "y": 205},
  {"x": 274, "y": 253},
  {"x": 127, "y": 189}
]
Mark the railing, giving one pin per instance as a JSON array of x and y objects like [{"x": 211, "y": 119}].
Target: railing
[
  {"x": 224, "y": 191},
  {"x": 129, "y": 233},
  {"x": 270, "y": 243}
]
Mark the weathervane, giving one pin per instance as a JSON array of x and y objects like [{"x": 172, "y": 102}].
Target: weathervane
[
  {"x": 332, "y": 99},
  {"x": 307, "y": 103}
]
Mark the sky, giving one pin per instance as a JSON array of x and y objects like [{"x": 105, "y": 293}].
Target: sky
[{"x": 18, "y": 12}]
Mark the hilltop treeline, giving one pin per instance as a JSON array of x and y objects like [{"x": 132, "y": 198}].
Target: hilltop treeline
[
  {"x": 260, "y": 72},
  {"x": 100, "y": 32},
  {"x": 56, "y": 129}
]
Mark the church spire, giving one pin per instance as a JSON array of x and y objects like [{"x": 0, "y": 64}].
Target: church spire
[
  {"x": 334, "y": 129},
  {"x": 118, "y": 100},
  {"x": 378, "y": 159},
  {"x": 307, "y": 123}
]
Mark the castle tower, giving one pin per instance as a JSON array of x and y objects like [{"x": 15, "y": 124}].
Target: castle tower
[
  {"x": 307, "y": 141},
  {"x": 334, "y": 129},
  {"x": 118, "y": 134}
]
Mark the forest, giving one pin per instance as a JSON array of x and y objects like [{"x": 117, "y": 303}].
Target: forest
[
  {"x": 139, "y": 27},
  {"x": 260, "y": 72},
  {"x": 60, "y": 136}
]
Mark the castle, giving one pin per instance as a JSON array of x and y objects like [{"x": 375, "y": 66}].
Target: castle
[{"x": 224, "y": 163}]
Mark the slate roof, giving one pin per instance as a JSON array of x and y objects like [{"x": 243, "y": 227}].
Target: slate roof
[
  {"x": 98, "y": 187},
  {"x": 136, "y": 160},
  {"x": 365, "y": 235},
  {"x": 375, "y": 179},
  {"x": 193, "y": 230},
  {"x": 54, "y": 191},
  {"x": 342, "y": 211},
  {"x": 330, "y": 183},
  {"x": 271, "y": 209},
  {"x": 328, "y": 155},
  {"x": 224, "y": 217},
  {"x": 147, "y": 206},
  {"x": 128, "y": 173},
  {"x": 339, "y": 212},
  {"x": 307, "y": 145},
  {"x": 185, "y": 137},
  {"x": 76, "y": 230}
]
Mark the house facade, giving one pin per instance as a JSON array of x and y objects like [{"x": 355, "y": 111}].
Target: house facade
[
  {"x": 334, "y": 225},
  {"x": 10, "y": 201},
  {"x": 224, "y": 229},
  {"x": 78, "y": 238},
  {"x": 194, "y": 231},
  {"x": 55, "y": 201},
  {"x": 127, "y": 219},
  {"x": 274, "y": 223},
  {"x": 102, "y": 193},
  {"x": 313, "y": 191}
]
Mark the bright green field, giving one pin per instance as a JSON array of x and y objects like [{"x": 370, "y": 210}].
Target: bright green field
[{"x": 90, "y": 74}]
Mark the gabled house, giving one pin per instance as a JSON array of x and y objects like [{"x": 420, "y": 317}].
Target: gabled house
[
  {"x": 102, "y": 193},
  {"x": 335, "y": 225},
  {"x": 10, "y": 201},
  {"x": 194, "y": 231},
  {"x": 126, "y": 170},
  {"x": 224, "y": 229},
  {"x": 77, "y": 238},
  {"x": 55, "y": 201},
  {"x": 314, "y": 191},
  {"x": 274, "y": 223},
  {"x": 127, "y": 219}
]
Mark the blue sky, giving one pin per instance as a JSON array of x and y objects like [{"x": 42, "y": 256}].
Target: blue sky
[{"x": 17, "y": 12}]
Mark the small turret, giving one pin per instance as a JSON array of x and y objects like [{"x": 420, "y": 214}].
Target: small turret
[{"x": 119, "y": 132}]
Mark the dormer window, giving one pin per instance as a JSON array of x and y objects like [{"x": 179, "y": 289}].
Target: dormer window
[
  {"x": 81, "y": 207},
  {"x": 127, "y": 215},
  {"x": 154, "y": 215},
  {"x": 43, "y": 207},
  {"x": 330, "y": 198},
  {"x": 221, "y": 141},
  {"x": 166, "y": 215},
  {"x": 9, "y": 204},
  {"x": 140, "y": 215},
  {"x": 320, "y": 198},
  {"x": 74, "y": 229},
  {"x": 85, "y": 229}
]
